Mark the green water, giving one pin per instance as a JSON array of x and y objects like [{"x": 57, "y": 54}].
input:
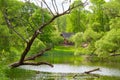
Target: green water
[{"x": 67, "y": 67}]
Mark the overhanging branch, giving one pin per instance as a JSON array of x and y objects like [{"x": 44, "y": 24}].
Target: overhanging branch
[{"x": 37, "y": 55}]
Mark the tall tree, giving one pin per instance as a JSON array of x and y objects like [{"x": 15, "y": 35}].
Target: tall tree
[
  {"x": 75, "y": 20},
  {"x": 7, "y": 9}
]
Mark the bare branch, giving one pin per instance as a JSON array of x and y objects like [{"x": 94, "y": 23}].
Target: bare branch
[
  {"x": 48, "y": 7},
  {"x": 58, "y": 15},
  {"x": 37, "y": 55},
  {"x": 56, "y": 6},
  {"x": 53, "y": 6},
  {"x": 63, "y": 6},
  {"x": 42, "y": 12}
]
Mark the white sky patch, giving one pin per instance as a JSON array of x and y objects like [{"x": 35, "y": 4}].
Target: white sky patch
[
  {"x": 49, "y": 2},
  {"x": 59, "y": 4},
  {"x": 107, "y": 0}
]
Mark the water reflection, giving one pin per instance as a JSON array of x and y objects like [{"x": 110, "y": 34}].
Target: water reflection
[{"x": 66, "y": 68}]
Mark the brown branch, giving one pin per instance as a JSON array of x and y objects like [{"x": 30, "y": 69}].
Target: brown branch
[
  {"x": 114, "y": 54},
  {"x": 38, "y": 63},
  {"x": 88, "y": 72},
  {"x": 16, "y": 64},
  {"x": 37, "y": 55}
]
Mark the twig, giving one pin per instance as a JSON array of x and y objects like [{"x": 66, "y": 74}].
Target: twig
[
  {"x": 56, "y": 6},
  {"x": 48, "y": 7}
]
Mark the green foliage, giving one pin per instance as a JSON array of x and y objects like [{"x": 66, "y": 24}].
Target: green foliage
[
  {"x": 96, "y": 26},
  {"x": 56, "y": 38},
  {"x": 115, "y": 23},
  {"x": 112, "y": 9},
  {"x": 81, "y": 51},
  {"x": 61, "y": 23},
  {"x": 4, "y": 38},
  {"x": 2, "y": 73},
  {"x": 90, "y": 35},
  {"x": 77, "y": 39},
  {"x": 75, "y": 21},
  {"x": 109, "y": 43},
  {"x": 37, "y": 46}
]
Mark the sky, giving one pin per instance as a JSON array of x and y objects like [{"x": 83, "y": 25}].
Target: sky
[{"x": 59, "y": 4}]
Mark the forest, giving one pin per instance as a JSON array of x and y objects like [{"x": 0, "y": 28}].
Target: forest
[{"x": 66, "y": 33}]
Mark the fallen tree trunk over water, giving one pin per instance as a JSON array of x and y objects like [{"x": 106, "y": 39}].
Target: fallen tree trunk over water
[
  {"x": 114, "y": 54},
  {"x": 88, "y": 72}
]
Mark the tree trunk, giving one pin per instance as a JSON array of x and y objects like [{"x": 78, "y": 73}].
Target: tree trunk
[
  {"x": 27, "y": 49},
  {"x": 36, "y": 33}
]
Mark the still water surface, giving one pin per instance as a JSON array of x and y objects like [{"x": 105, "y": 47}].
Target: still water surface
[
  {"x": 66, "y": 68},
  {"x": 70, "y": 67}
]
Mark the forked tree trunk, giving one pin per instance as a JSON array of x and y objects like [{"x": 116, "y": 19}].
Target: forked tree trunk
[{"x": 36, "y": 33}]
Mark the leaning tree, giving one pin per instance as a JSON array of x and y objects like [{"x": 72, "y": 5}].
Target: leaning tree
[{"x": 29, "y": 42}]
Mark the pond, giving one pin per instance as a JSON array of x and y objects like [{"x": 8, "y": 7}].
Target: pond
[
  {"x": 64, "y": 68},
  {"x": 68, "y": 67}
]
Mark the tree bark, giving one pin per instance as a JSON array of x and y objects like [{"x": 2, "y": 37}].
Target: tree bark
[
  {"x": 16, "y": 64},
  {"x": 88, "y": 72},
  {"x": 30, "y": 63},
  {"x": 114, "y": 54},
  {"x": 27, "y": 49}
]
